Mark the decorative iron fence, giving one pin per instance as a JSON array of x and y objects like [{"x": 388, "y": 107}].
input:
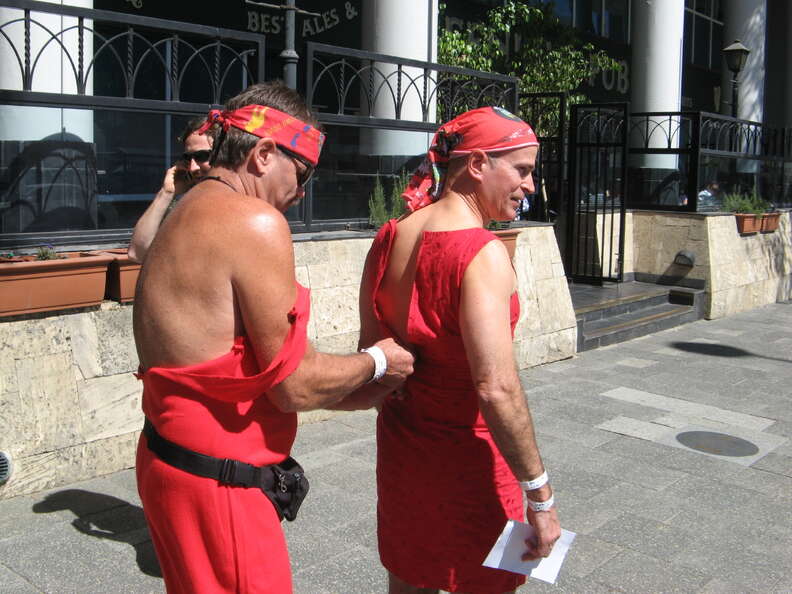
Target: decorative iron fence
[
  {"x": 193, "y": 65},
  {"x": 597, "y": 181},
  {"x": 688, "y": 160},
  {"x": 373, "y": 90}
]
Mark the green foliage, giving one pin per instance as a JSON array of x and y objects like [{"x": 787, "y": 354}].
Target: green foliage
[
  {"x": 378, "y": 210},
  {"x": 382, "y": 209},
  {"x": 547, "y": 55},
  {"x": 47, "y": 252},
  {"x": 744, "y": 203}
]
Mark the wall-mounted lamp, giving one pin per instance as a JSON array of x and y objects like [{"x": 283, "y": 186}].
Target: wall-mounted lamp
[
  {"x": 736, "y": 54},
  {"x": 685, "y": 258}
]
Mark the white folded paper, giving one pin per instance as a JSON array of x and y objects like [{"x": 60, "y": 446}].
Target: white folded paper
[{"x": 510, "y": 546}]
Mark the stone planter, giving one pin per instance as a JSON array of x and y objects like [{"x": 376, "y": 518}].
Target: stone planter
[
  {"x": 122, "y": 275},
  {"x": 748, "y": 223},
  {"x": 29, "y": 286},
  {"x": 770, "y": 222},
  {"x": 509, "y": 239}
]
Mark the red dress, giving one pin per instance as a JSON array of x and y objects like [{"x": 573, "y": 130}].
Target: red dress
[
  {"x": 210, "y": 537},
  {"x": 444, "y": 490}
]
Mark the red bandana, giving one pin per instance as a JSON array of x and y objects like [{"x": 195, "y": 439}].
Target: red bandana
[
  {"x": 267, "y": 122},
  {"x": 489, "y": 129}
]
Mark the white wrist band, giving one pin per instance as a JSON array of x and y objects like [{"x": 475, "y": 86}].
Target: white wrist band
[
  {"x": 540, "y": 506},
  {"x": 380, "y": 362},
  {"x": 532, "y": 485}
]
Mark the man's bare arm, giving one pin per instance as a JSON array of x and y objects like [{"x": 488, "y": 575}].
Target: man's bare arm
[
  {"x": 485, "y": 323},
  {"x": 265, "y": 288},
  {"x": 148, "y": 224}
]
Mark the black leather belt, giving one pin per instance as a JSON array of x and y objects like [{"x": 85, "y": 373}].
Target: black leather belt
[{"x": 224, "y": 470}]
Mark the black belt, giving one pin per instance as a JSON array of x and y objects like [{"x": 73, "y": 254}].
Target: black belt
[{"x": 284, "y": 484}]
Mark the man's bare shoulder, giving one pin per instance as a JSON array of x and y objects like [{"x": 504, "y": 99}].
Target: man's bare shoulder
[{"x": 235, "y": 217}]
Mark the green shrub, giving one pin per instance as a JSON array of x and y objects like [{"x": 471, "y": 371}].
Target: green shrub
[
  {"x": 397, "y": 205},
  {"x": 47, "y": 252},
  {"x": 744, "y": 203},
  {"x": 378, "y": 210}
]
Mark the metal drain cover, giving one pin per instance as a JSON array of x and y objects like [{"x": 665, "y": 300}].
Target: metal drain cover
[
  {"x": 5, "y": 467},
  {"x": 719, "y": 444}
]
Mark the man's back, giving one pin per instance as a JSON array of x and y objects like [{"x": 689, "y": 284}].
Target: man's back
[{"x": 185, "y": 309}]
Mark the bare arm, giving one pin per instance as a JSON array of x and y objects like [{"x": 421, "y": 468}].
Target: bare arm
[
  {"x": 148, "y": 224},
  {"x": 266, "y": 293},
  {"x": 484, "y": 318}
]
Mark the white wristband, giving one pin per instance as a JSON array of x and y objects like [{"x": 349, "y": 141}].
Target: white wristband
[
  {"x": 380, "y": 362},
  {"x": 532, "y": 485},
  {"x": 540, "y": 506}
]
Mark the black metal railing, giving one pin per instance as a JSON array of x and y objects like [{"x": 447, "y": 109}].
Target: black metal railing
[
  {"x": 374, "y": 90},
  {"x": 197, "y": 65},
  {"x": 678, "y": 159},
  {"x": 597, "y": 183}
]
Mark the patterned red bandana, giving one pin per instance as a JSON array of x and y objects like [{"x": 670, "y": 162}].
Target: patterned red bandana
[
  {"x": 267, "y": 122},
  {"x": 489, "y": 129}
]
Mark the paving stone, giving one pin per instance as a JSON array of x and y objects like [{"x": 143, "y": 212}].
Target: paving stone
[
  {"x": 646, "y": 536},
  {"x": 587, "y": 554},
  {"x": 640, "y": 501},
  {"x": 356, "y": 571},
  {"x": 636, "y": 362},
  {"x": 13, "y": 583},
  {"x": 630, "y": 571},
  {"x": 720, "y": 586},
  {"x": 635, "y": 428},
  {"x": 584, "y": 434},
  {"x": 777, "y": 463}
]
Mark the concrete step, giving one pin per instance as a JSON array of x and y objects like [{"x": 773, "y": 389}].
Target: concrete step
[{"x": 646, "y": 317}]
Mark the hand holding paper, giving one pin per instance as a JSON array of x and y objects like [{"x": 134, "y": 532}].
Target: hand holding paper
[{"x": 510, "y": 546}]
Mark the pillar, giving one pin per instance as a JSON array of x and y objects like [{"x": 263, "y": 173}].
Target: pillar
[
  {"x": 657, "y": 30},
  {"x": 407, "y": 30}
]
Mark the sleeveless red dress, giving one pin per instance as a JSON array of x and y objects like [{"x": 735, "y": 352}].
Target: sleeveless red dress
[
  {"x": 444, "y": 490},
  {"x": 210, "y": 537}
]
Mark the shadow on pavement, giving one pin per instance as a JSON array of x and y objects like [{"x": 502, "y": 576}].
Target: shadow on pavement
[
  {"x": 106, "y": 517},
  {"x": 720, "y": 350}
]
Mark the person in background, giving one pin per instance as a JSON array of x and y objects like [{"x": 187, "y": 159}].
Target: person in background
[
  {"x": 708, "y": 198},
  {"x": 192, "y": 166}
]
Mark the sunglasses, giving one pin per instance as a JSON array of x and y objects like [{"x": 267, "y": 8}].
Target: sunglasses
[
  {"x": 303, "y": 175},
  {"x": 197, "y": 156}
]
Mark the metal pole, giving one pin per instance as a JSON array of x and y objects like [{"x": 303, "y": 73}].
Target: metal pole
[
  {"x": 735, "y": 86},
  {"x": 289, "y": 55}
]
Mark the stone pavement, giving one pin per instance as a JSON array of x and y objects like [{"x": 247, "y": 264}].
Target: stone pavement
[{"x": 651, "y": 514}]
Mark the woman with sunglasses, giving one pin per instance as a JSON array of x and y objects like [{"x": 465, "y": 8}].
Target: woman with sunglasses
[{"x": 192, "y": 166}]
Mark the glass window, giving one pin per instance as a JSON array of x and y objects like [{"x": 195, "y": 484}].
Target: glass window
[
  {"x": 101, "y": 175},
  {"x": 687, "y": 49},
  {"x": 701, "y": 46},
  {"x": 703, "y": 6},
  {"x": 615, "y": 21},
  {"x": 717, "y": 46},
  {"x": 588, "y": 16},
  {"x": 351, "y": 160},
  {"x": 563, "y": 10}
]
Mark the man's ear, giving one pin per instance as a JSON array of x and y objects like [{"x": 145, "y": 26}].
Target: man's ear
[
  {"x": 262, "y": 156},
  {"x": 476, "y": 161}
]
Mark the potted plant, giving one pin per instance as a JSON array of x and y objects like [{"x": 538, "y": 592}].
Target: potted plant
[
  {"x": 50, "y": 280},
  {"x": 770, "y": 221},
  {"x": 747, "y": 209}
]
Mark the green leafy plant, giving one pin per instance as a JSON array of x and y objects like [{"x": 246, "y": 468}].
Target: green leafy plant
[
  {"x": 744, "y": 203},
  {"x": 378, "y": 210},
  {"x": 546, "y": 54},
  {"x": 399, "y": 183},
  {"x": 47, "y": 252}
]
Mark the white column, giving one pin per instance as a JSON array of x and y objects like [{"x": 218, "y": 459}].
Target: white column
[
  {"x": 657, "y": 29},
  {"x": 407, "y": 29},
  {"x": 53, "y": 74},
  {"x": 746, "y": 20}
]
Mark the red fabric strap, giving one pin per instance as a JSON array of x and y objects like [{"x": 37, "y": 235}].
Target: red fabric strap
[{"x": 267, "y": 122}]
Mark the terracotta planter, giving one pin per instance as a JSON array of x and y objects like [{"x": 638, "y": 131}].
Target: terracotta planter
[
  {"x": 770, "y": 221},
  {"x": 122, "y": 275},
  {"x": 30, "y": 286},
  {"x": 509, "y": 239},
  {"x": 748, "y": 223}
]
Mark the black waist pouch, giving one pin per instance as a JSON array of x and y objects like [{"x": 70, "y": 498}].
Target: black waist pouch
[{"x": 284, "y": 484}]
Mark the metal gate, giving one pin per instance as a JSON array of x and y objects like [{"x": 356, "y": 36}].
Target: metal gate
[{"x": 597, "y": 182}]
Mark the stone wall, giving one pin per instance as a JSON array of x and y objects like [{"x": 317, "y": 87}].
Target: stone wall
[
  {"x": 70, "y": 406},
  {"x": 738, "y": 272}
]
